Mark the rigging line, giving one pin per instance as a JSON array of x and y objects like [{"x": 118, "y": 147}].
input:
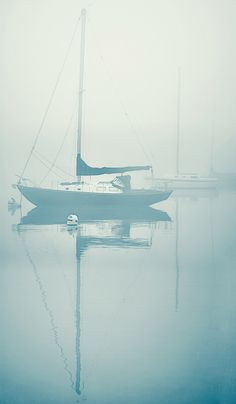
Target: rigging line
[
  {"x": 126, "y": 113},
  {"x": 123, "y": 107},
  {"x": 134, "y": 131},
  {"x": 50, "y": 100},
  {"x": 47, "y": 166},
  {"x": 49, "y": 162},
  {"x": 41, "y": 157},
  {"x": 71, "y": 166},
  {"x": 156, "y": 164},
  {"x": 50, "y": 313},
  {"x": 149, "y": 154},
  {"x": 60, "y": 148}
]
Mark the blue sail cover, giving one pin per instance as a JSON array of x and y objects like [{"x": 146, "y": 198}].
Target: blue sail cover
[{"x": 82, "y": 169}]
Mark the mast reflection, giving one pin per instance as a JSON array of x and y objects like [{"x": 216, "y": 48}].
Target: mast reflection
[{"x": 97, "y": 228}]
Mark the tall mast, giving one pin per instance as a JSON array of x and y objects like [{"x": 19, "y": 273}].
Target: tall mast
[
  {"x": 81, "y": 79},
  {"x": 178, "y": 121}
]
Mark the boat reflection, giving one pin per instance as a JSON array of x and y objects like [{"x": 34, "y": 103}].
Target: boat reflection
[
  {"x": 110, "y": 228},
  {"x": 59, "y": 216}
]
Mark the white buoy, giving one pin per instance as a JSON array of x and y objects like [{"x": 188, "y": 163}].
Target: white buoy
[{"x": 72, "y": 220}]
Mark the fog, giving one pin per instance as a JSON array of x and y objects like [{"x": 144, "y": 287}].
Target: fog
[
  {"x": 130, "y": 304},
  {"x": 133, "y": 52}
]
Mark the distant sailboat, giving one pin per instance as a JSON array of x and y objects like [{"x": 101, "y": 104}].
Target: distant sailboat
[
  {"x": 184, "y": 180},
  {"x": 119, "y": 190}
]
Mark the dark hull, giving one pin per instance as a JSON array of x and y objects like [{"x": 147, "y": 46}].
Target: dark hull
[{"x": 62, "y": 198}]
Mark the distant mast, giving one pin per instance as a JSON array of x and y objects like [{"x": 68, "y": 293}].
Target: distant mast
[
  {"x": 212, "y": 150},
  {"x": 178, "y": 121},
  {"x": 81, "y": 82}
]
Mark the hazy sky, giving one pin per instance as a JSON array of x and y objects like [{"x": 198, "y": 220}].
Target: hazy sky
[{"x": 133, "y": 50}]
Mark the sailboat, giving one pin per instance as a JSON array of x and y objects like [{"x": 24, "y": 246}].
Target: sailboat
[
  {"x": 117, "y": 193},
  {"x": 184, "y": 180}
]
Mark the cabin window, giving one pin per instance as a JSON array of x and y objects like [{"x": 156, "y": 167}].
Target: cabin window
[{"x": 100, "y": 188}]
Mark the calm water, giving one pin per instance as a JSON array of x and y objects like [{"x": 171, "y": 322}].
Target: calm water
[{"x": 133, "y": 307}]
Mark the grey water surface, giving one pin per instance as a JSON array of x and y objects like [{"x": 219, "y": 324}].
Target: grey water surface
[{"x": 131, "y": 307}]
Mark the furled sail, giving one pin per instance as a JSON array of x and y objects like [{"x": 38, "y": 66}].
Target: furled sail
[{"x": 82, "y": 169}]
